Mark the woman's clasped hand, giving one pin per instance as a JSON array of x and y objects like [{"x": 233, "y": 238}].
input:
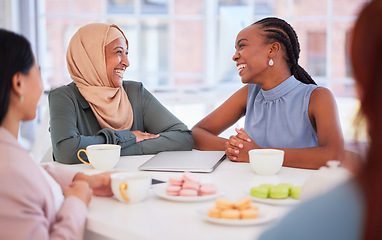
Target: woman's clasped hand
[{"x": 238, "y": 146}]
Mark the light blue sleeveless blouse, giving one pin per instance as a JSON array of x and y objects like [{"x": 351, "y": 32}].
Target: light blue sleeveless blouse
[{"x": 278, "y": 118}]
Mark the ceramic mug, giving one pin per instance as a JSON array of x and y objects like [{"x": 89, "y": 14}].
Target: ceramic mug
[
  {"x": 266, "y": 161},
  {"x": 101, "y": 156},
  {"x": 130, "y": 187}
]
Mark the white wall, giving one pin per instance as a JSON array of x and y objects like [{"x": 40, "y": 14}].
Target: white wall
[{"x": 9, "y": 17}]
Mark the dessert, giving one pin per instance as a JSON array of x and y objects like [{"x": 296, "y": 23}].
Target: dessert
[
  {"x": 214, "y": 212},
  {"x": 260, "y": 192},
  {"x": 249, "y": 213},
  {"x": 223, "y": 203},
  {"x": 188, "y": 193},
  {"x": 230, "y": 214},
  {"x": 279, "y": 192},
  {"x": 191, "y": 185},
  {"x": 287, "y": 185},
  {"x": 295, "y": 192},
  {"x": 207, "y": 189},
  {"x": 242, "y": 209},
  {"x": 268, "y": 186},
  {"x": 173, "y": 190},
  {"x": 189, "y": 181},
  {"x": 176, "y": 180},
  {"x": 243, "y": 203},
  {"x": 188, "y": 176}
]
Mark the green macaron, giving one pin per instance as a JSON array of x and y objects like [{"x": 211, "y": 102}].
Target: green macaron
[
  {"x": 260, "y": 192},
  {"x": 295, "y": 192},
  {"x": 267, "y": 185},
  {"x": 287, "y": 185},
  {"x": 278, "y": 192}
]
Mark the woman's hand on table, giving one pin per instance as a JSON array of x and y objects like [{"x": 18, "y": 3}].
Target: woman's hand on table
[
  {"x": 238, "y": 146},
  {"x": 99, "y": 183},
  {"x": 141, "y": 136},
  {"x": 79, "y": 189}
]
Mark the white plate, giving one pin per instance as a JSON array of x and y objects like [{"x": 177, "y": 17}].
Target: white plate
[
  {"x": 264, "y": 217},
  {"x": 271, "y": 201},
  {"x": 160, "y": 191}
]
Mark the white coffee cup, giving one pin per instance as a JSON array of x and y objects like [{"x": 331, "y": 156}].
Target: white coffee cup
[
  {"x": 130, "y": 187},
  {"x": 101, "y": 156},
  {"x": 266, "y": 161}
]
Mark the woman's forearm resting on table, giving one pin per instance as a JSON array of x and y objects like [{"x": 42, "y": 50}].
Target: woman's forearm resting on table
[
  {"x": 204, "y": 140},
  {"x": 168, "y": 141},
  {"x": 237, "y": 148},
  {"x": 174, "y": 140},
  {"x": 311, "y": 158}
]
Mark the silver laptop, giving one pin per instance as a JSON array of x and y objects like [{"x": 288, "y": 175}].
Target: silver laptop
[{"x": 180, "y": 161}]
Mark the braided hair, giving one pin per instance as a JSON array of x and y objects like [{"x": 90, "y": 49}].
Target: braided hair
[{"x": 277, "y": 30}]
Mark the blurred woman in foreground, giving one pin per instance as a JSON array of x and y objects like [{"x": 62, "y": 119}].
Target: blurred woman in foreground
[
  {"x": 37, "y": 202},
  {"x": 352, "y": 210}
]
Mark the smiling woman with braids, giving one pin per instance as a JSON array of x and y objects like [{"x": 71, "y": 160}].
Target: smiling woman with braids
[{"x": 284, "y": 107}]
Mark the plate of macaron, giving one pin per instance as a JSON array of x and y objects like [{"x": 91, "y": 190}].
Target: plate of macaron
[
  {"x": 186, "y": 188},
  {"x": 276, "y": 194},
  {"x": 239, "y": 213}
]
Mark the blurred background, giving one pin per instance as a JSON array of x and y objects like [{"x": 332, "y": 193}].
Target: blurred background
[{"x": 182, "y": 49}]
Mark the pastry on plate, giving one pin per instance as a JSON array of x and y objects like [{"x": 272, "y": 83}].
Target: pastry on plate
[
  {"x": 260, "y": 192},
  {"x": 230, "y": 214},
  {"x": 214, "y": 212},
  {"x": 295, "y": 192},
  {"x": 207, "y": 189},
  {"x": 288, "y": 185},
  {"x": 188, "y": 193},
  {"x": 279, "y": 192},
  {"x": 243, "y": 203},
  {"x": 249, "y": 213},
  {"x": 173, "y": 190},
  {"x": 223, "y": 203}
]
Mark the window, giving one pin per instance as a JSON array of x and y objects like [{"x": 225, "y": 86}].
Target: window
[
  {"x": 317, "y": 53},
  {"x": 184, "y": 48},
  {"x": 190, "y": 43}
]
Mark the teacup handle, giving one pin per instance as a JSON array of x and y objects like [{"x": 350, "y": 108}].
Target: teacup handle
[
  {"x": 122, "y": 188},
  {"x": 78, "y": 155}
]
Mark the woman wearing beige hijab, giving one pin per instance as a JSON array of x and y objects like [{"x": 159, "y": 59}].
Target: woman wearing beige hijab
[{"x": 99, "y": 107}]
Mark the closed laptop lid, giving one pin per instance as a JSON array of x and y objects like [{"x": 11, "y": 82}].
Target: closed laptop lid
[{"x": 180, "y": 161}]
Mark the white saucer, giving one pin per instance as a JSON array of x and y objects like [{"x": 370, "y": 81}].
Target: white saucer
[
  {"x": 272, "y": 201},
  {"x": 264, "y": 217}
]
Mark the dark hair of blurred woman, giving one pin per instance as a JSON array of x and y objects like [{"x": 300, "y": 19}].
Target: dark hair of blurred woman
[{"x": 13, "y": 60}]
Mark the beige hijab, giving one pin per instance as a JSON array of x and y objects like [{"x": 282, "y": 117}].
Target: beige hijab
[{"x": 87, "y": 67}]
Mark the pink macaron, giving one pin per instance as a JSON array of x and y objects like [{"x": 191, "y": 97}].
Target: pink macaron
[
  {"x": 176, "y": 180},
  {"x": 188, "y": 193},
  {"x": 207, "y": 189},
  {"x": 191, "y": 185},
  {"x": 173, "y": 190},
  {"x": 188, "y": 176}
]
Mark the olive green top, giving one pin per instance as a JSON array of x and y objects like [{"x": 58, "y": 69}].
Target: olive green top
[{"x": 73, "y": 125}]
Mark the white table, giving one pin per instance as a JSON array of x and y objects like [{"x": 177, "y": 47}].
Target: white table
[{"x": 157, "y": 218}]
